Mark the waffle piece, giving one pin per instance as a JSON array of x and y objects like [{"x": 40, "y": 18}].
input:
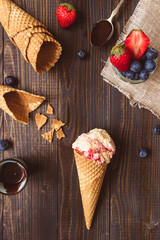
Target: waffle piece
[{"x": 18, "y": 104}]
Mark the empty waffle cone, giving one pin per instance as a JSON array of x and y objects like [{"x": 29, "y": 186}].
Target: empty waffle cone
[
  {"x": 18, "y": 104},
  {"x": 91, "y": 175},
  {"x": 36, "y": 44}
]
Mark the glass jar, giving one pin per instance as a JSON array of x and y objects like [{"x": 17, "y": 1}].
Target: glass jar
[
  {"x": 13, "y": 176},
  {"x": 118, "y": 73}
]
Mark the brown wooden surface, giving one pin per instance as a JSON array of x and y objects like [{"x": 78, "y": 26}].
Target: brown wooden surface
[{"x": 50, "y": 205}]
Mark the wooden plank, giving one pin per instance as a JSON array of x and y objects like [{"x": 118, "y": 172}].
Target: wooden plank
[
  {"x": 1, "y": 126},
  {"x": 32, "y": 214},
  {"x": 122, "y": 115},
  {"x": 50, "y": 206},
  {"x": 134, "y": 181},
  {"x": 82, "y": 106}
]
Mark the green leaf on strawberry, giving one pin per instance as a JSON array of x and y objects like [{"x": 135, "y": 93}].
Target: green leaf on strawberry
[
  {"x": 69, "y": 6},
  {"x": 120, "y": 57},
  {"x": 117, "y": 50}
]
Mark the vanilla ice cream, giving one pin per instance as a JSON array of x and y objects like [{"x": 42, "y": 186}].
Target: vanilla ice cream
[{"x": 96, "y": 145}]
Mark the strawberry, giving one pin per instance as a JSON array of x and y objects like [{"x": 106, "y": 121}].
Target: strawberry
[
  {"x": 78, "y": 151},
  {"x": 137, "y": 42},
  {"x": 66, "y": 15},
  {"x": 120, "y": 57}
]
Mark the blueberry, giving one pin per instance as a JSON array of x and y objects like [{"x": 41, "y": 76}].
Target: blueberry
[
  {"x": 143, "y": 153},
  {"x": 10, "y": 81},
  {"x": 129, "y": 74},
  {"x": 136, "y": 76},
  {"x": 81, "y": 54},
  {"x": 123, "y": 73},
  {"x": 156, "y": 130},
  {"x": 151, "y": 54},
  {"x": 135, "y": 66},
  {"x": 150, "y": 65},
  {"x": 144, "y": 74},
  {"x": 4, "y": 145},
  {"x": 143, "y": 58}
]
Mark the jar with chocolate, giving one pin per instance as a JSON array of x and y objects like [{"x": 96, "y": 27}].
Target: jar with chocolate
[{"x": 13, "y": 176}]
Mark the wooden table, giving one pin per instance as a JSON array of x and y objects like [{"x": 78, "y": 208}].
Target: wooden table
[{"x": 50, "y": 208}]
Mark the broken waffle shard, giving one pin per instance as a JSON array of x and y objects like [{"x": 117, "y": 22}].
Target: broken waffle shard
[{"x": 18, "y": 103}]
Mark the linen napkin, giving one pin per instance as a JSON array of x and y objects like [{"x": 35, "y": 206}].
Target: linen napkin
[{"x": 146, "y": 94}]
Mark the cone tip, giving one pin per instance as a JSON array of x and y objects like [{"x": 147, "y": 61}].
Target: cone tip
[{"x": 88, "y": 225}]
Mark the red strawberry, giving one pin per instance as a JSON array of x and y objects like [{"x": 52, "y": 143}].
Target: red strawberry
[
  {"x": 66, "y": 15},
  {"x": 78, "y": 151},
  {"x": 137, "y": 42},
  {"x": 120, "y": 57}
]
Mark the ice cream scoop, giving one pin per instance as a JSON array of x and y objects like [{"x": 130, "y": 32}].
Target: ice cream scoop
[
  {"x": 103, "y": 29},
  {"x": 96, "y": 145}
]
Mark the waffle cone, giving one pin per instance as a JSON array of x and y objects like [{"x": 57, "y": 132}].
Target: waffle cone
[
  {"x": 18, "y": 104},
  {"x": 36, "y": 44},
  {"x": 90, "y": 174}
]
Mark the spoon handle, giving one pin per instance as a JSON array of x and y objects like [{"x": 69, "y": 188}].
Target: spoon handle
[{"x": 115, "y": 11}]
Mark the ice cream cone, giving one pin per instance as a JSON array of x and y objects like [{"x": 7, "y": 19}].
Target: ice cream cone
[
  {"x": 90, "y": 174},
  {"x": 93, "y": 152},
  {"x": 18, "y": 104},
  {"x": 36, "y": 44}
]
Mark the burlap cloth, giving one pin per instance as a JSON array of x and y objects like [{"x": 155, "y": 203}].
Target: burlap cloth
[{"x": 146, "y": 94}]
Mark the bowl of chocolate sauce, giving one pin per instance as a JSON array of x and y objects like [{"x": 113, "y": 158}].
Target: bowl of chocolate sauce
[{"x": 13, "y": 176}]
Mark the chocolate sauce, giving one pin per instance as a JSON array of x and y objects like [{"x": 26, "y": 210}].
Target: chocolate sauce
[
  {"x": 100, "y": 32},
  {"x": 12, "y": 175}
]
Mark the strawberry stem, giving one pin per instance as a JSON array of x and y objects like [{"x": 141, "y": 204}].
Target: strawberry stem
[
  {"x": 69, "y": 6},
  {"x": 117, "y": 50}
]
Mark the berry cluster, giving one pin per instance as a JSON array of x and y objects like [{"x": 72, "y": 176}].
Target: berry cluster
[
  {"x": 134, "y": 59},
  {"x": 140, "y": 69}
]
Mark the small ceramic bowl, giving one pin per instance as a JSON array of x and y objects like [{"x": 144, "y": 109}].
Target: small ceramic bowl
[
  {"x": 10, "y": 182},
  {"x": 118, "y": 73}
]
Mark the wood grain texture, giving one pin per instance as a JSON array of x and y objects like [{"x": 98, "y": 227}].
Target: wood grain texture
[
  {"x": 81, "y": 87},
  {"x": 134, "y": 210},
  {"x": 50, "y": 206},
  {"x": 1, "y": 126},
  {"x": 32, "y": 214}
]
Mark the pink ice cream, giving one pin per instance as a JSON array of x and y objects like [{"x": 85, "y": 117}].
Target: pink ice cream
[{"x": 96, "y": 145}]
